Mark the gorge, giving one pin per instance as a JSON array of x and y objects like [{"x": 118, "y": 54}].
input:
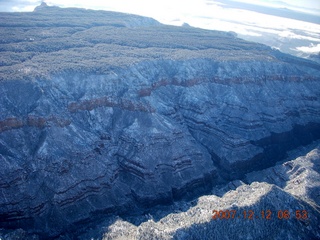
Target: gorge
[{"x": 105, "y": 114}]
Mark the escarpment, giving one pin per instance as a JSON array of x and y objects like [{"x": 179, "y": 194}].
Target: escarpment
[{"x": 125, "y": 112}]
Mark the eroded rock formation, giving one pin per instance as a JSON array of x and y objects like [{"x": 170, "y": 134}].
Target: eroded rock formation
[
  {"x": 254, "y": 210},
  {"x": 125, "y": 113}
]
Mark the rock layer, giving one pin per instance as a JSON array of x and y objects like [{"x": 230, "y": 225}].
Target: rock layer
[
  {"x": 256, "y": 209},
  {"x": 168, "y": 119}
]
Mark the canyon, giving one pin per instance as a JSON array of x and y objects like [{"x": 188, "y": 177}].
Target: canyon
[{"x": 105, "y": 114}]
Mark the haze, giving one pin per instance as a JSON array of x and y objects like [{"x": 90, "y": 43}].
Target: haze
[{"x": 291, "y": 26}]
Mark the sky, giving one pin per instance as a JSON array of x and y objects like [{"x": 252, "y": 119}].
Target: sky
[
  {"x": 225, "y": 15},
  {"x": 147, "y": 7},
  {"x": 295, "y": 4}
]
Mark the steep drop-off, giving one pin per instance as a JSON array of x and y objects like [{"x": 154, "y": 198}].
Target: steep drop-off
[
  {"x": 256, "y": 209},
  {"x": 103, "y": 112}
]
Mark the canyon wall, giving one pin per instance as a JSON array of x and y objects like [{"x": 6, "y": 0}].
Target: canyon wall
[{"x": 118, "y": 136}]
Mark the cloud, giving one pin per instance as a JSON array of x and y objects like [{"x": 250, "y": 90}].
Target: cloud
[
  {"x": 309, "y": 6},
  {"x": 220, "y": 15},
  {"x": 18, "y": 5},
  {"x": 312, "y": 49},
  {"x": 292, "y": 35}
]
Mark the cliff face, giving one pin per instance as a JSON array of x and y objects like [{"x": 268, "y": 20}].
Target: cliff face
[
  {"x": 269, "y": 205},
  {"x": 144, "y": 122}
]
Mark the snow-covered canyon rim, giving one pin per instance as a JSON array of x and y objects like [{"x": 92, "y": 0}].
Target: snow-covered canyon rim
[{"x": 103, "y": 113}]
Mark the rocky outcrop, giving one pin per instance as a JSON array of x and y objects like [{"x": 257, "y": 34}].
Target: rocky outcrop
[
  {"x": 280, "y": 202},
  {"x": 254, "y": 210},
  {"x": 92, "y": 131},
  {"x": 299, "y": 177}
]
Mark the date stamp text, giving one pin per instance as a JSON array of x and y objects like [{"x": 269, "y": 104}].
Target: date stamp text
[{"x": 263, "y": 214}]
